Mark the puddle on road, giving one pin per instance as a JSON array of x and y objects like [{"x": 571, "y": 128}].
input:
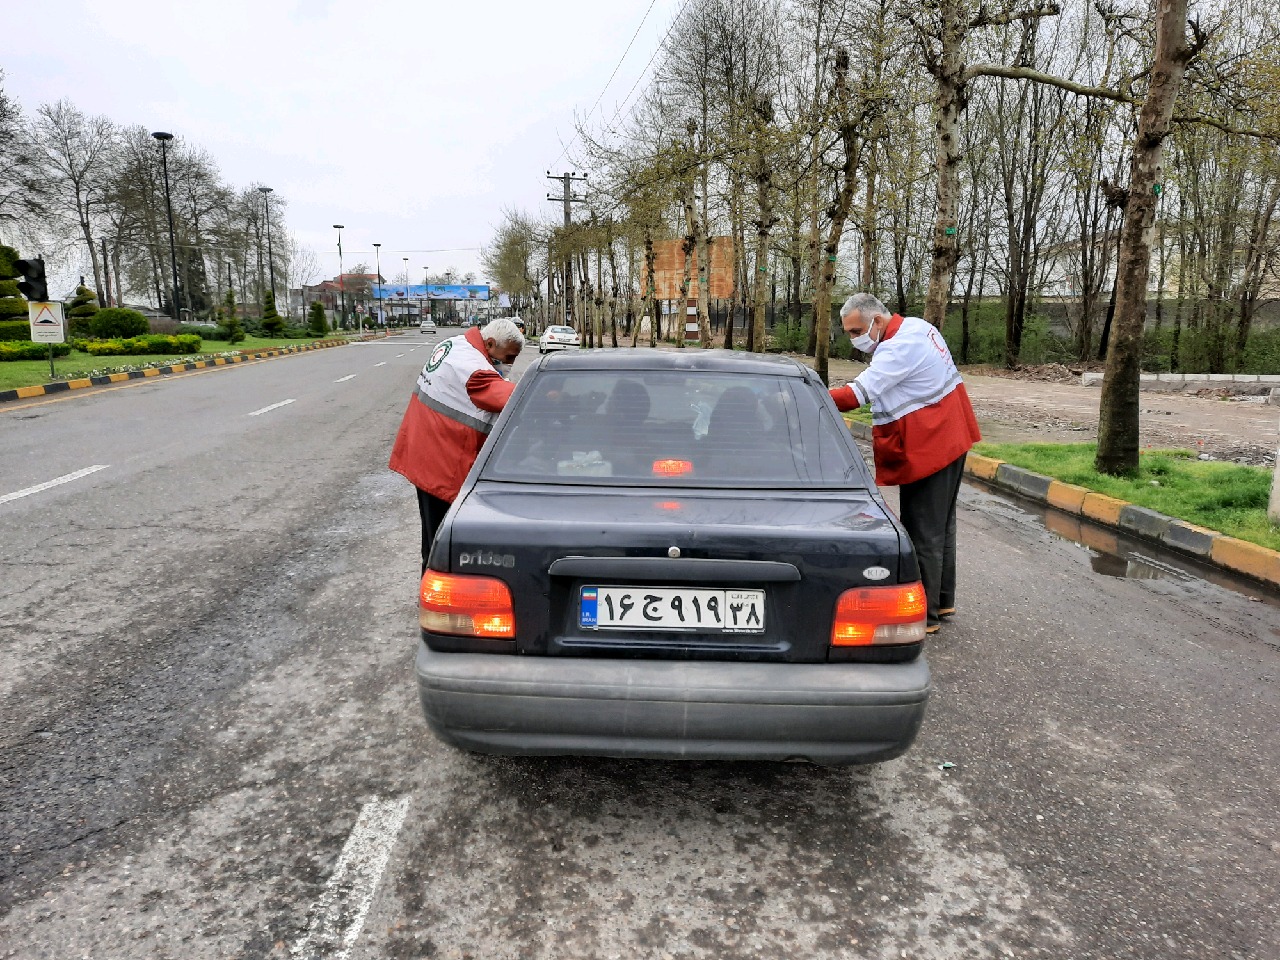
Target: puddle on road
[
  {"x": 1113, "y": 554},
  {"x": 1107, "y": 555}
]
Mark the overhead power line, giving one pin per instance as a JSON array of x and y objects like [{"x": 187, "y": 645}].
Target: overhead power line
[
  {"x": 616, "y": 68},
  {"x": 657, "y": 50}
]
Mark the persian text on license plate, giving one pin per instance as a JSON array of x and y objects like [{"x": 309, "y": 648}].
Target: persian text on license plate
[{"x": 672, "y": 608}]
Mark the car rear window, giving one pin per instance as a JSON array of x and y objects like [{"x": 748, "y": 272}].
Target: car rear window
[{"x": 673, "y": 427}]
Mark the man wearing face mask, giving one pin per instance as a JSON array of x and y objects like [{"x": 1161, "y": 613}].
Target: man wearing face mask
[
  {"x": 922, "y": 428},
  {"x": 461, "y": 390}
]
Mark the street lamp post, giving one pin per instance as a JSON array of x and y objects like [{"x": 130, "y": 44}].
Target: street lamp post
[
  {"x": 342, "y": 287},
  {"x": 271, "y": 263},
  {"x": 164, "y": 139},
  {"x": 406, "y": 288},
  {"x": 377, "y": 253}
]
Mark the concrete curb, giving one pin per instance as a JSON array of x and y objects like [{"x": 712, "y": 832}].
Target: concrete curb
[
  {"x": 1237, "y": 556},
  {"x": 61, "y": 386}
]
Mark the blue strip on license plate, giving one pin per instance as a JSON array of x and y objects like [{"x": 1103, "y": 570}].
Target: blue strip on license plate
[{"x": 589, "y": 601}]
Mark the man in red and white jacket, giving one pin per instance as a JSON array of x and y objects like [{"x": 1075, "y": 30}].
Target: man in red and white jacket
[
  {"x": 922, "y": 428},
  {"x": 461, "y": 390}
]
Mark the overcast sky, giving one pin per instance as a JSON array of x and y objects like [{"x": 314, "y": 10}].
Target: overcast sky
[{"x": 412, "y": 123}]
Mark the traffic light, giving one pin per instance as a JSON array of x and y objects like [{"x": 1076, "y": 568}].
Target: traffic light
[{"x": 33, "y": 285}]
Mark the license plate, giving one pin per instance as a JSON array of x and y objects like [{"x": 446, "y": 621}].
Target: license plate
[{"x": 672, "y": 608}]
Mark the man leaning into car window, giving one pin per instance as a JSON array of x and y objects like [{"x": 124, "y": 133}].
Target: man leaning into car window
[
  {"x": 922, "y": 428},
  {"x": 461, "y": 390}
]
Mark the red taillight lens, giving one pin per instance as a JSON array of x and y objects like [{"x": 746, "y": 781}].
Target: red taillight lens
[
  {"x": 672, "y": 468},
  {"x": 875, "y": 615},
  {"x": 467, "y": 606}
]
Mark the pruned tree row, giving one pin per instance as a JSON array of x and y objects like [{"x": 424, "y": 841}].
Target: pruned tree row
[{"x": 1105, "y": 175}]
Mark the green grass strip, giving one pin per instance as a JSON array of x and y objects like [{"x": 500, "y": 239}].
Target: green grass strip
[
  {"x": 1228, "y": 497},
  {"x": 32, "y": 373}
]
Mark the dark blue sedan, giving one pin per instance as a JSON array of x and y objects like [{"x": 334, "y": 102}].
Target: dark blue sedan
[{"x": 673, "y": 554}]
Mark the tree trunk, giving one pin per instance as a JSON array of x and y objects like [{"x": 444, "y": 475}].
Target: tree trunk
[
  {"x": 1118, "y": 410},
  {"x": 948, "y": 103},
  {"x": 763, "y": 225},
  {"x": 851, "y": 143}
]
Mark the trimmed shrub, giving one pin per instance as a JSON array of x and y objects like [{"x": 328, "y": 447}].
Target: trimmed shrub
[
  {"x": 80, "y": 312},
  {"x": 13, "y": 306},
  {"x": 138, "y": 346},
  {"x": 15, "y": 329},
  {"x": 317, "y": 325},
  {"x": 233, "y": 332},
  {"x": 272, "y": 323},
  {"x": 118, "y": 322},
  {"x": 10, "y": 350}
]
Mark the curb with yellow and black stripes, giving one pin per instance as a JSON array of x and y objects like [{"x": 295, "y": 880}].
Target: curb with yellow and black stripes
[
  {"x": 1208, "y": 546},
  {"x": 61, "y": 386}
]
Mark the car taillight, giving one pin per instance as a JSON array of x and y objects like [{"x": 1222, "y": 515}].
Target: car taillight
[
  {"x": 467, "y": 606},
  {"x": 876, "y": 615}
]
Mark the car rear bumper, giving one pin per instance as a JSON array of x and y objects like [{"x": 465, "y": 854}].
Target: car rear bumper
[
  {"x": 559, "y": 346},
  {"x": 831, "y": 713}
]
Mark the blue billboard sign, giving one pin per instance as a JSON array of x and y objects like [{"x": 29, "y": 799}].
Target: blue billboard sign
[{"x": 431, "y": 291}]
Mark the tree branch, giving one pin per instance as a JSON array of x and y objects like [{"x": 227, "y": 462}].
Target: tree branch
[
  {"x": 1036, "y": 76},
  {"x": 985, "y": 19},
  {"x": 1195, "y": 118}
]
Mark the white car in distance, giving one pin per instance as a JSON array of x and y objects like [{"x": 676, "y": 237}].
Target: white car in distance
[{"x": 558, "y": 338}]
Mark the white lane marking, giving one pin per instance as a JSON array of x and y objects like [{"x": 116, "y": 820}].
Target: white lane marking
[
  {"x": 274, "y": 406},
  {"x": 67, "y": 478},
  {"x": 399, "y": 355},
  {"x": 381, "y": 364},
  {"x": 338, "y": 916},
  {"x": 349, "y": 376}
]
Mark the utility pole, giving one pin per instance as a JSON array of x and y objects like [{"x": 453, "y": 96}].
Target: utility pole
[{"x": 568, "y": 199}]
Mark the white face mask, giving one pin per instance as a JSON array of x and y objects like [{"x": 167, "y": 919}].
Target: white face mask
[{"x": 863, "y": 342}]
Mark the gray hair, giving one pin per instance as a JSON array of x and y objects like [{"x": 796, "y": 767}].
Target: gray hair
[
  {"x": 503, "y": 332},
  {"x": 866, "y": 305}
]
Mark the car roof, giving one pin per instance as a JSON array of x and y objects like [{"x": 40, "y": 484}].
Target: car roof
[{"x": 693, "y": 359}]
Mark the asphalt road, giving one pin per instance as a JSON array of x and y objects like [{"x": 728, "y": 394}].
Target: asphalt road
[{"x": 210, "y": 744}]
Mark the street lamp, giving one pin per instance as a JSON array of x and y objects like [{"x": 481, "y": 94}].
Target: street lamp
[
  {"x": 406, "y": 289},
  {"x": 377, "y": 253},
  {"x": 342, "y": 287},
  {"x": 271, "y": 263},
  {"x": 164, "y": 139}
]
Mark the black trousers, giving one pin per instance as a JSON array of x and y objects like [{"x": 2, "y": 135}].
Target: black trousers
[
  {"x": 928, "y": 509},
  {"x": 432, "y": 509}
]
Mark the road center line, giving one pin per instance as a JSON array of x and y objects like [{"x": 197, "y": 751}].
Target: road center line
[
  {"x": 274, "y": 406},
  {"x": 399, "y": 355},
  {"x": 67, "y": 478},
  {"x": 338, "y": 916},
  {"x": 349, "y": 376},
  {"x": 381, "y": 364}
]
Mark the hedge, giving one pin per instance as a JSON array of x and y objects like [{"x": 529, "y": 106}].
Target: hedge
[
  {"x": 15, "y": 329},
  {"x": 10, "y": 350},
  {"x": 118, "y": 322},
  {"x": 137, "y": 346}
]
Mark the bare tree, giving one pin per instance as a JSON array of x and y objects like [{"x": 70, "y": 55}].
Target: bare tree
[{"x": 74, "y": 153}]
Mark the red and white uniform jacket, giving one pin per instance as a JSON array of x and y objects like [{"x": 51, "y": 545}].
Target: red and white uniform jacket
[
  {"x": 459, "y": 396},
  {"x": 921, "y": 416}
]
